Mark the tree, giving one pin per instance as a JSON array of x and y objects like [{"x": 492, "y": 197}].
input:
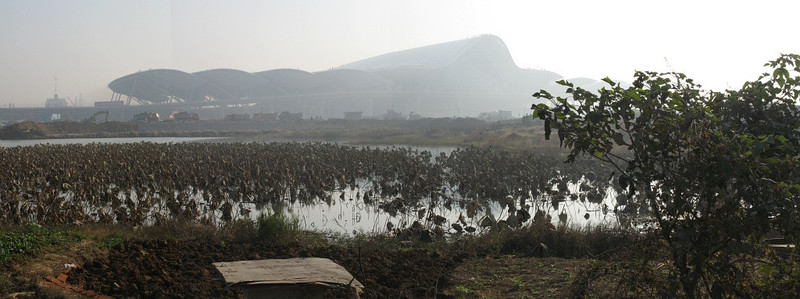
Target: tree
[{"x": 712, "y": 170}]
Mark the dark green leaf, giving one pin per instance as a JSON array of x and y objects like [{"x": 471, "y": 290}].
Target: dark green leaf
[{"x": 619, "y": 139}]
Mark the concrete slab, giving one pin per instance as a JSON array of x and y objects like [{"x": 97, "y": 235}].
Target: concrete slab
[{"x": 287, "y": 278}]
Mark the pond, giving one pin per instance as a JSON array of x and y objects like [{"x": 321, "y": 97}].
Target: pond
[
  {"x": 348, "y": 215},
  {"x": 327, "y": 187}
]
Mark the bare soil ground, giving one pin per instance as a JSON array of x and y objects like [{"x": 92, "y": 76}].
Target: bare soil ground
[
  {"x": 170, "y": 267},
  {"x": 155, "y": 266},
  {"x": 427, "y": 132},
  {"x": 515, "y": 277},
  {"x": 175, "y": 260},
  {"x": 33, "y": 130},
  {"x": 182, "y": 269},
  {"x": 163, "y": 268}
]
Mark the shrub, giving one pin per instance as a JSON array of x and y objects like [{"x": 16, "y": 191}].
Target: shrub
[
  {"x": 276, "y": 228},
  {"x": 708, "y": 170}
]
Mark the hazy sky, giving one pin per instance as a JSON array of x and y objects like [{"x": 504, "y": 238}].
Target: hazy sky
[{"x": 87, "y": 44}]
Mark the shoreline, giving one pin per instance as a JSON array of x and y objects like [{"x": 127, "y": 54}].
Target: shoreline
[{"x": 512, "y": 134}]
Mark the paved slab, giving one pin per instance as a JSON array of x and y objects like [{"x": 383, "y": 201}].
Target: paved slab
[{"x": 289, "y": 273}]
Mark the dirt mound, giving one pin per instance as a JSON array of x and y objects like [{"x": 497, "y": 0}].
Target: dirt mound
[
  {"x": 184, "y": 269},
  {"x": 37, "y": 130},
  {"x": 25, "y": 130}
]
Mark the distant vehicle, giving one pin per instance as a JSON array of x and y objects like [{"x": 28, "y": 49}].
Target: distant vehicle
[
  {"x": 183, "y": 116},
  {"x": 146, "y": 117},
  {"x": 94, "y": 116}
]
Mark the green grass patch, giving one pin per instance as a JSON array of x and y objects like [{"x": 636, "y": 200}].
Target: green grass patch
[
  {"x": 460, "y": 291},
  {"x": 31, "y": 239},
  {"x": 276, "y": 228},
  {"x": 112, "y": 241}
]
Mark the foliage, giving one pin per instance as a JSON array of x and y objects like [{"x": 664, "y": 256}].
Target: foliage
[
  {"x": 241, "y": 229},
  {"x": 31, "y": 239},
  {"x": 542, "y": 239},
  {"x": 779, "y": 279},
  {"x": 462, "y": 292},
  {"x": 710, "y": 170},
  {"x": 276, "y": 227},
  {"x": 112, "y": 241}
]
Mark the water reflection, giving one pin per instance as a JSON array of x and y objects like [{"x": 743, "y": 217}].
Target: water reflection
[
  {"x": 328, "y": 187},
  {"x": 349, "y": 215}
]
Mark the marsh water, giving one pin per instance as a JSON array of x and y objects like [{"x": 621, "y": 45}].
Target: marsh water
[
  {"x": 345, "y": 213},
  {"x": 347, "y": 216}
]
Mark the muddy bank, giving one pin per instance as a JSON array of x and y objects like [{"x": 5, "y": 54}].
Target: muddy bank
[
  {"x": 68, "y": 130},
  {"x": 320, "y": 129},
  {"x": 37, "y": 130},
  {"x": 179, "y": 269}
]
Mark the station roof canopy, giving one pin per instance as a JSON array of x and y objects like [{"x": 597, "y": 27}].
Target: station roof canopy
[
  {"x": 430, "y": 57},
  {"x": 229, "y": 83},
  {"x": 292, "y": 81},
  {"x": 479, "y": 64},
  {"x": 356, "y": 80},
  {"x": 159, "y": 85}
]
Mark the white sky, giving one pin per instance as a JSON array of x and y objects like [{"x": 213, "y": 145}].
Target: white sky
[{"x": 88, "y": 43}]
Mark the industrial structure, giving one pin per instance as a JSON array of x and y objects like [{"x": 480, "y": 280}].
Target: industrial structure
[
  {"x": 55, "y": 101},
  {"x": 458, "y": 78}
]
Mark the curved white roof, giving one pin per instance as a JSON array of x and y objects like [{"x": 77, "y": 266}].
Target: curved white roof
[
  {"x": 159, "y": 85},
  {"x": 432, "y": 57},
  {"x": 355, "y": 80},
  {"x": 481, "y": 64},
  {"x": 292, "y": 81},
  {"x": 229, "y": 83}
]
